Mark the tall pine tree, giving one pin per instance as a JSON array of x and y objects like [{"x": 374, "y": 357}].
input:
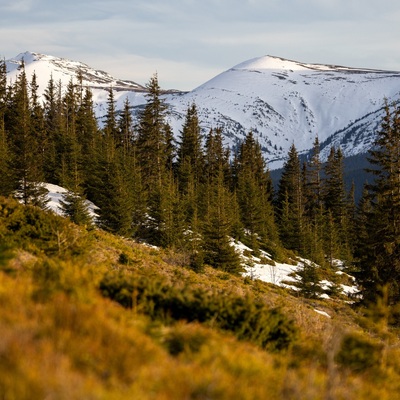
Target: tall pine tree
[
  {"x": 291, "y": 203},
  {"x": 254, "y": 192},
  {"x": 217, "y": 207},
  {"x": 337, "y": 207},
  {"x": 24, "y": 144},
  {"x": 155, "y": 152},
  {"x": 190, "y": 168},
  {"x": 314, "y": 206},
  {"x": 379, "y": 261},
  {"x": 7, "y": 182},
  {"x": 153, "y": 141}
]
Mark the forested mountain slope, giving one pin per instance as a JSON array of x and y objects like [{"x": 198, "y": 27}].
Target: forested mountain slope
[{"x": 281, "y": 101}]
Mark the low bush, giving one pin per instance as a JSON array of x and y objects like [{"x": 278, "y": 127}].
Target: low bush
[
  {"x": 247, "y": 318},
  {"x": 359, "y": 353},
  {"x": 30, "y": 228},
  {"x": 184, "y": 338}
]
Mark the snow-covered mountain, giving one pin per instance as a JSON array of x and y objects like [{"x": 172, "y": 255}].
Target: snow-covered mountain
[
  {"x": 285, "y": 102},
  {"x": 63, "y": 70},
  {"x": 281, "y": 101}
]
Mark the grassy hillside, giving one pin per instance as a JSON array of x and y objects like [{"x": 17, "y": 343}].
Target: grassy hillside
[{"x": 88, "y": 315}]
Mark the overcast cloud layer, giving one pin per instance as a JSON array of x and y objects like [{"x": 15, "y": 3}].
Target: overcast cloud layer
[{"x": 188, "y": 42}]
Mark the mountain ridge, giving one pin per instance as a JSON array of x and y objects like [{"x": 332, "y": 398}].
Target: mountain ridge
[{"x": 276, "y": 62}]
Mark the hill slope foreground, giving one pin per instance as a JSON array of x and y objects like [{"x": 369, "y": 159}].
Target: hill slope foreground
[{"x": 86, "y": 314}]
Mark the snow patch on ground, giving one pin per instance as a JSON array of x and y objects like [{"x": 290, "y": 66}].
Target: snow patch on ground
[
  {"x": 280, "y": 274},
  {"x": 56, "y": 194},
  {"x": 322, "y": 313}
]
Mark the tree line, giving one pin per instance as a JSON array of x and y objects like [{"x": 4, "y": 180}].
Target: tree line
[{"x": 195, "y": 194}]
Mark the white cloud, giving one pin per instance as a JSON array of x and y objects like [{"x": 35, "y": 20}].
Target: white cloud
[
  {"x": 16, "y": 6},
  {"x": 189, "y": 39}
]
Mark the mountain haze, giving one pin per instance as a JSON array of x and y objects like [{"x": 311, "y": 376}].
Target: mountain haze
[{"x": 281, "y": 101}]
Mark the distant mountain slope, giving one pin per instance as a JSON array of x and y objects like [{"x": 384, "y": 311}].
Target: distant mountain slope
[
  {"x": 285, "y": 102},
  {"x": 281, "y": 101},
  {"x": 63, "y": 70}
]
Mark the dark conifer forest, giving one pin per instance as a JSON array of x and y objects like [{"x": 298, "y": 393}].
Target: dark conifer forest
[{"x": 193, "y": 194}]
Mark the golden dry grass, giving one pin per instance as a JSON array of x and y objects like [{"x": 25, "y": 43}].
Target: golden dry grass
[{"x": 60, "y": 339}]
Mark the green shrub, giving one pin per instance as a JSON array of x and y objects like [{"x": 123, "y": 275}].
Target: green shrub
[
  {"x": 197, "y": 262},
  {"x": 247, "y": 318},
  {"x": 34, "y": 229},
  {"x": 5, "y": 255},
  {"x": 184, "y": 339},
  {"x": 359, "y": 353},
  {"x": 123, "y": 259},
  {"x": 308, "y": 280}
]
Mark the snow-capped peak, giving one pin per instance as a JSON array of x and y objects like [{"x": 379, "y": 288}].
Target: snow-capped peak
[
  {"x": 27, "y": 57},
  {"x": 64, "y": 69},
  {"x": 269, "y": 63},
  {"x": 278, "y": 63}
]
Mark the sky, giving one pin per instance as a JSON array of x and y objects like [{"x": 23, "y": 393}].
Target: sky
[{"x": 188, "y": 42}]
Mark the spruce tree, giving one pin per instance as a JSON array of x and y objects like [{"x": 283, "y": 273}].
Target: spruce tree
[
  {"x": 110, "y": 126},
  {"x": 290, "y": 203},
  {"x": 153, "y": 141},
  {"x": 155, "y": 152},
  {"x": 314, "y": 183},
  {"x": 314, "y": 209},
  {"x": 379, "y": 261},
  {"x": 125, "y": 128},
  {"x": 75, "y": 207},
  {"x": 3, "y": 94},
  {"x": 352, "y": 222},
  {"x": 3, "y": 86},
  {"x": 81, "y": 138},
  {"x": 217, "y": 156},
  {"x": 217, "y": 228},
  {"x": 336, "y": 205},
  {"x": 69, "y": 156},
  {"x": 254, "y": 192},
  {"x": 190, "y": 168},
  {"x": 190, "y": 155},
  {"x": 112, "y": 183},
  {"x": 217, "y": 207},
  {"x": 115, "y": 198},
  {"x": 75, "y": 154},
  {"x": 86, "y": 122},
  {"x": 167, "y": 222},
  {"x": 7, "y": 182},
  {"x": 89, "y": 138},
  {"x": 37, "y": 124},
  {"x": 52, "y": 122},
  {"x": 334, "y": 192},
  {"x": 24, "y": 146},
  {"x": 331, "y": 237},
  {"x": 364, "y": 223},
  {"x": 308, "y": 280}
]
